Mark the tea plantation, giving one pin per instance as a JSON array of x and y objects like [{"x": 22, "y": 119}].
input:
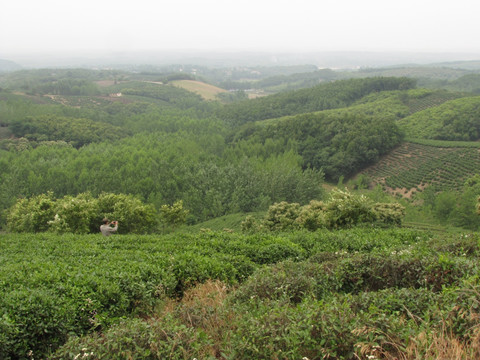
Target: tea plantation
[{"x": 361, "y": 293}]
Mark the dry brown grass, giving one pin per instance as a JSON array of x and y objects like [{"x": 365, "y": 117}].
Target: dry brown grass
[
  {"x": 203, "y": 308},
  {"x": 443, "y": 345},
  {"x": 207, "y": 91}
]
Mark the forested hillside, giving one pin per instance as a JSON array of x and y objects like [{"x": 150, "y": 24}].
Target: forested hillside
[
  {"x": 455, "y": 120},
  {"x": 338, "y": 94},
  {"x": 75, "y": 131}
]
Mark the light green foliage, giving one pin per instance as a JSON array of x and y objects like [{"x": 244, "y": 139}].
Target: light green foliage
[
  {"x": 465, "y": 214},
  {"x": 132, "y": 214},
  {"x": 389, "y": 213},
  {"x": 458, "y": 208},
  {"x": 75, "y": 214},
  {"x": 250, "y": 225},
  {"x": 81, "y": 214},
  {"x": 31, "y": 215},
  {"x": 173, "y": 215},
  {"x": 312, "y": 216},
  {"x": 445, "y": 203},
  {"x": 343, "y": 210},
  {"x": 281, "y": 216}
]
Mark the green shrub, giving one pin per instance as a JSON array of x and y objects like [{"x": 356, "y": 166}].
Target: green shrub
[
  {"x": 174, "y": 215},
  {"x": 342, "y": 210},
  {"x": 37, "y": 320},
  {"x": 281, "y": 216},
  {"x": 291, "y": 281},
  {"x": 345, "y": 209},
  {"x": 133, "y": 216},
  {"x": 75, "y": 214},
  {"x": 136, "y": 339},
  {"x": 389, "y": 213},
  {"x": 31, "y": 215},
  {"x": 312, "y": 216},
  {"x": 81, "y": 214},
  {"x": 250, "y": 225}
]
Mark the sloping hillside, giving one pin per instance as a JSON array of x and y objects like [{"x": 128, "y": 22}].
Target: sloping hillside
[
  {"x": 413, "y": 167},
  {"x": 455, "y": 120}
]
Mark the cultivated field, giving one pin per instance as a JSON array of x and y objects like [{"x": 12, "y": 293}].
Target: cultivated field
[
  {"x": 206, "y": 91},
  {"x": 411, "y": 167},
  {"x": 345, "y": 294}
]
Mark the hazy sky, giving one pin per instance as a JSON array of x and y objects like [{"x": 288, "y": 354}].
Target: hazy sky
[{"x": 296, "y": 25}]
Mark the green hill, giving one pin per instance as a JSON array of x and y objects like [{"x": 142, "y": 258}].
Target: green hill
[
  {"x": 455, "y": 120},
  {"x": 164, "y": 143},
  {"x": 411, "y": 167},
  {"x": 338, "y": 94}
]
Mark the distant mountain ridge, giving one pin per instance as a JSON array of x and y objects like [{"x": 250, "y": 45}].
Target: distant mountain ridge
[{"x": 8, "y": 65}]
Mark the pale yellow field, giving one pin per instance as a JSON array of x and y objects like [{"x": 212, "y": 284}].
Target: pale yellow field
[{"x": 208, "y": 92}]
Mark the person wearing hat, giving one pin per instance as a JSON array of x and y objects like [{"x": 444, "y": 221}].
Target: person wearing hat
[{"x": 108, "y": 228}]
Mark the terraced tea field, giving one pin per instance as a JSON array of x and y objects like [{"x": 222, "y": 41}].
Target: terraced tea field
[
  {"x": 430, "y": 100},
  {"x": 412, "y": 167}
]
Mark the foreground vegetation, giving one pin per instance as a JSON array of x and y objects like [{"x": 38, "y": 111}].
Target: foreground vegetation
[{"x": 327, "y": 294}]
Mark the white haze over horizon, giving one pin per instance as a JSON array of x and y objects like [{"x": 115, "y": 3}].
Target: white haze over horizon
[{"x": 33, "y": 27}]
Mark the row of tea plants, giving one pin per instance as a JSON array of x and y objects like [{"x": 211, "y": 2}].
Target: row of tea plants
[{"x": 326, "y": 294}]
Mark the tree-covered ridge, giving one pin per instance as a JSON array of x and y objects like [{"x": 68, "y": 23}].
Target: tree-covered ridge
[
  {"x": 285, "y": 82},
  {"x": 333, "y": 95},
  {"x": 467, "y": 83},
  {"x": 41, "y": 80},
  {"x": 453, "y": 120},
  {"x": 407, "y": 102},
  {"x": 77, "y": 132},
  {"x": 338, "y": 142}
]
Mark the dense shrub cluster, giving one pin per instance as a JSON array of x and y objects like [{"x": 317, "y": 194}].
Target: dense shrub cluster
[
  {"x": 81, "y": 214},
  {"x": 342, "y": 210}
]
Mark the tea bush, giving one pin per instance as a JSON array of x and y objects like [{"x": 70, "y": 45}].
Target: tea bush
[
  {"x": 294, "y": 281},
  {"x": 324, "y": 294},
  {"x": 60, "y": 285}
]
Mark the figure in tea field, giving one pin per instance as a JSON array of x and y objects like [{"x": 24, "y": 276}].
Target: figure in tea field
[{"x": 108, "y": 228}]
